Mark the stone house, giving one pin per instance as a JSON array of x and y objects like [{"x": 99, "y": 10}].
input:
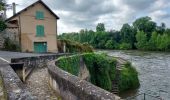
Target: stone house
[{"x": 34, "y": 28}]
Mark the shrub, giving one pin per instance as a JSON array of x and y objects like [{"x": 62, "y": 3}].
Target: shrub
[
  {"x": 10, "y": 45},
  {"x": 125, "y": 46},
  {"x": 73, "y": 47}
]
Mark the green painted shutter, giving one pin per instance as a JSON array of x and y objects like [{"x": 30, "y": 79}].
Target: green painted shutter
[
  {"x": 39, "y": 30},
  {"x": 42, "y": 30},
  {"x": 39, "y": 15}
]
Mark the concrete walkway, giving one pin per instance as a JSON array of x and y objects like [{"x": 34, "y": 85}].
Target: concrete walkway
[
  {"x": 38, "y": 85},
  {"x": 37, "y": 82}
]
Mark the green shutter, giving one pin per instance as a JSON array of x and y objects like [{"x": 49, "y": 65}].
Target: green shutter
[
  {"x": 40, "y": 30},
  {"x": 39, "y": 15}
]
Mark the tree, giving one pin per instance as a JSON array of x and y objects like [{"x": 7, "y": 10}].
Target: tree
[
  {"x": 2, "y": 5},
  {"x": 109, "y": 44},
  {"x": 161, "y": 29},
  {"x": 163, "y": 42},
  {"x": 153, "y": 41},
  {"x": 146, "y": 25},
  {"x": 127, "y": 34},
  {"x": 141, "y": 40},
  {"x": 100, "y": 27},
  {"x": 2, "y": 23}
]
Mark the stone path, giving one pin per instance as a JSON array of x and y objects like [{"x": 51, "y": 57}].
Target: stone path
[{"x": 38, "y": 85}]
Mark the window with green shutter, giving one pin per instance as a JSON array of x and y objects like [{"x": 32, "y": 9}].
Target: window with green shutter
[
  {"x": 39, "y": 15},
  {"x": 40, "y": 30}
]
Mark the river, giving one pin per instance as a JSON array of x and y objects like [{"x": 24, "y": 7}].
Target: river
[{"x": 153, "y": 69}]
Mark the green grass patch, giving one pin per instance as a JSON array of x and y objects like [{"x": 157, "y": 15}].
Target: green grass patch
[{"x": 128, "y": 78}]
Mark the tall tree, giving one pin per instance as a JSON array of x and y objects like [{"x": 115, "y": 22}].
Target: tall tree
[
  {"x": 146, "y": 25},
  {"x": 141, "y": 40},
  {"x": 2, "y": 23},
  {"x": 127, "y": 34},
  {"x": 153, "y": 41},
  {"x": 100, "y": 27},
  {"x": 2, "y": 5}
]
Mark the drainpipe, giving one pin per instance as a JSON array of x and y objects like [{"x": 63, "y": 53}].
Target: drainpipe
[{"x": 14, "y": 8}]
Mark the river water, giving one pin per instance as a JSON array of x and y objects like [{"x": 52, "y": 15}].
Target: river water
[{"x": 153, "y": 69}]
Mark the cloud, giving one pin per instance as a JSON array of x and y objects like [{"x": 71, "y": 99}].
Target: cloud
[{"x": 77, "y": 14}]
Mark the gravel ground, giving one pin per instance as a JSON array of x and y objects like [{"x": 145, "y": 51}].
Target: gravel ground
[{"x": 38, "y": 85}]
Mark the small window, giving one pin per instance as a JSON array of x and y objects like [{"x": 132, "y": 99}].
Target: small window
[
  {"x": 39, "y": 15},
  {"x": 40, "y": 30}
]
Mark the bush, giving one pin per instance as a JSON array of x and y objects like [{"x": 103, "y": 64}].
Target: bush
[
  {"x": 73, "y": 47},
  {"x": 10, "y": 45},
  {"x": 125, "y": 46}
]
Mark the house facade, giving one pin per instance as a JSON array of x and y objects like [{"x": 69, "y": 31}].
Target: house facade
[{"x": 35, "y": 28}]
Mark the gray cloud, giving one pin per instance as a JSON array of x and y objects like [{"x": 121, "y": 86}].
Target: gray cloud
[{"x": 77, "y": 14}]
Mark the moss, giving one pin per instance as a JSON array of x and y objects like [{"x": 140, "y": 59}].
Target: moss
[{"x": 4, "y": 96}]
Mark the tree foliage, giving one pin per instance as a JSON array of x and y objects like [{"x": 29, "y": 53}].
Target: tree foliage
[{"x": 143, "y": 34}]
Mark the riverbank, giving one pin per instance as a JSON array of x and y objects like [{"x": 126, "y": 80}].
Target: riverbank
[{"x": 153, "y": 68}]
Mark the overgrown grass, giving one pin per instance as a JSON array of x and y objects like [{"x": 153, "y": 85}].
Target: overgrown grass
[
  {"x": 102, "y": 70},
  {"x": 128, "y": 78}
]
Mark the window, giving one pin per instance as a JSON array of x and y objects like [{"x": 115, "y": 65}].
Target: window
[
  {"x": 40, "y": 30},
  {"x": 39, "y": 15}
]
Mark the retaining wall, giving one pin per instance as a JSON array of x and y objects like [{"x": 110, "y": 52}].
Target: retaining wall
[
  {"x": 71, "y": 87},
  {"x": 13, "y": 85}
]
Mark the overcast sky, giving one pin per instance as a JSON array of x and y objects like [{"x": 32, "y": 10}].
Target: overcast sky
[{"x": 79, "y": 14}]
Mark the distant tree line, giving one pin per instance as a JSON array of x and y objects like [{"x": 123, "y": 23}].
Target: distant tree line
[{"x": 143, "y": 34}]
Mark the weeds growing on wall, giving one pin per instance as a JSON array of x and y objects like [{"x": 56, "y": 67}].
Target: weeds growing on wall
[
  {"x": 70, "y": 64},
  {"x": 128, "y": 78},
  {"x": 102, "y": 70}
]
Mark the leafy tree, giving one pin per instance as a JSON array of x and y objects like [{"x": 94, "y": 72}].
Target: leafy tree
[
  {"x": 146, "y": 25},
  {"x": 143, "y": 35},
  {"x": 141, "y": 40},
  {"x": 2, "y": 23},
  {"x": 109, "y": 44},
  {"x": 153, "y": 41},
  {"x": 2, "y": 5},
  {"x": 161, "y": 29},
  {"x": 127, "y": 35},
  {"x": 163, "y": 42},
  {"x": 100, "y": 27}
]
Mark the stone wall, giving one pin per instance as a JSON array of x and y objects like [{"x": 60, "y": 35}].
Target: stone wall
[
  {"x": 13, "y": 85},
  {"x": 33, "y": 62},
  {"x": 71, "y": 87}
]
